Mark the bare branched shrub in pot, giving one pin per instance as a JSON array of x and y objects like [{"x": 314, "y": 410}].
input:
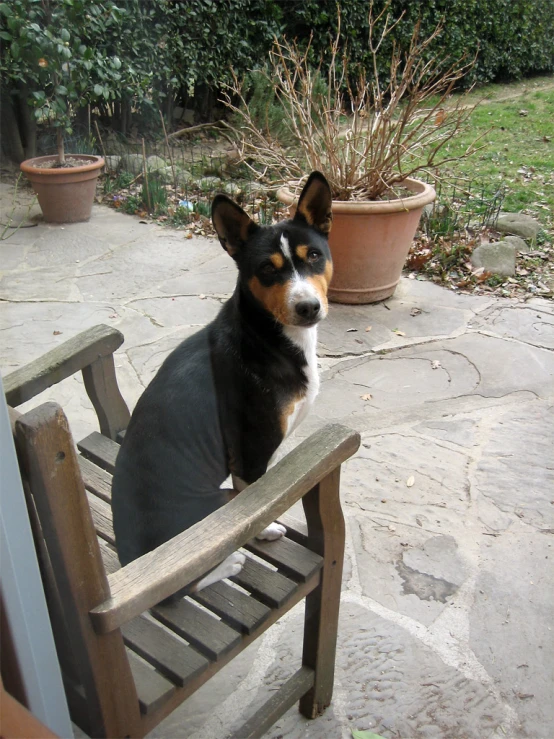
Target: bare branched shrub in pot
[{"x": 369, "y": 135}]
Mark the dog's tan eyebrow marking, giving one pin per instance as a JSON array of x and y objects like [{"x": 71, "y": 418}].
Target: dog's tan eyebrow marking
[
  {"x": 302, "y": 252},
  {"x": 277, "y": 260}
]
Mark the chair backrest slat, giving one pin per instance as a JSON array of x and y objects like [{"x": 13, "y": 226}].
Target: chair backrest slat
[{"x": 51, "y": 470}]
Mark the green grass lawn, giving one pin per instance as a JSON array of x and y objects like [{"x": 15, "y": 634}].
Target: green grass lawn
[{"x": 518, "y": 151}]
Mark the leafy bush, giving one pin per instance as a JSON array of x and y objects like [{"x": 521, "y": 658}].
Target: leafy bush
[
  {"x": 512, "y": 38},
  {"x": 60, "y": 55},
  {"x": 208, "y": 37}
]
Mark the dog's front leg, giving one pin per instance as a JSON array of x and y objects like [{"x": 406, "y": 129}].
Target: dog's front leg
[{"x": 229, "y": 567}]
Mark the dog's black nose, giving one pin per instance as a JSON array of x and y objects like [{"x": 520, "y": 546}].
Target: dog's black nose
[{"x": 308, "y": 309}]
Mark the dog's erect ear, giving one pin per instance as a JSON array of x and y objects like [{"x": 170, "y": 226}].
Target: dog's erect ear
[
  {"x": 233, "y": 225},
  {"x": 314, "y": 205}
]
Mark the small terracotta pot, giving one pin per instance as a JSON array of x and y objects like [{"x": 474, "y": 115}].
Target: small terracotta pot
[
  {"x": 370, "y": 241},
  {"x": 65, "y": 195}
]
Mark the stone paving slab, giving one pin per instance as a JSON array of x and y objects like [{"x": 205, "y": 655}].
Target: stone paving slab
[{"x": 445, "y": 627}]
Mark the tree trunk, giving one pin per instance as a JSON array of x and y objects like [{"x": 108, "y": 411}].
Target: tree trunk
[
  {"x": 28, "y": 123},
  {"x": 125, "y": 116},
  {"x": 11, "y": 137},
  {"x": 60, "y": 143}
]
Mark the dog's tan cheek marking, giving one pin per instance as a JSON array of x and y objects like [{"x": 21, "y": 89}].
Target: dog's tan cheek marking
[
  {"x": 302, "y": 252},
  {"x": 273, "y": 299},
  {"x": 328, "y": 273},
  {"x": 277, "y": 260}
]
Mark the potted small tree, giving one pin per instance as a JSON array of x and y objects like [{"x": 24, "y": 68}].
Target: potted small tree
[
  {"x": 55, "y": 65},
  {"x": 368, "y": 135}
]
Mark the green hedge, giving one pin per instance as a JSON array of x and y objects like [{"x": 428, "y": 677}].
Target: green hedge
[{"x": 512, "y": 38}]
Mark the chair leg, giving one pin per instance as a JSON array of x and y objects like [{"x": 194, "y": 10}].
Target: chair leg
[{"x": 326, "y": 537}]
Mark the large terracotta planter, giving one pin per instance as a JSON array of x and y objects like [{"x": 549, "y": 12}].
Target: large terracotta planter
[
  {"x": 370, "y": 242},
  {"x": 65, "y": 195}
]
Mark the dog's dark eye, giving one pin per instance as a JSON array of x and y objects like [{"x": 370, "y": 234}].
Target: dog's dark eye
[
  {"x": 313, "y": 255},
  {"x": 268, "y": 269}
]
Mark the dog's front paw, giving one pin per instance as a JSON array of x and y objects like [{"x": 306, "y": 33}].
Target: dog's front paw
[
  {"x": 229, "y": 567},
  {"x": 235, "y": 563},
  {"x": 272, "y": 532}
]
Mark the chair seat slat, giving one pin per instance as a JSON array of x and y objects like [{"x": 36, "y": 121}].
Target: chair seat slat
[
  {"x": 206, "y": 633},
  {"x": 293, "y": 559},
  {"x": 153, "y": 689},
  {"x": 173, "y": 658},
  {"x": 99, "y": 449},
  {"x": 237, "y": 609},
  {"x": 268, "y": 586}
]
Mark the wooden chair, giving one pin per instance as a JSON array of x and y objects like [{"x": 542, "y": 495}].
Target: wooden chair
[{"x": 126, "y": 661}]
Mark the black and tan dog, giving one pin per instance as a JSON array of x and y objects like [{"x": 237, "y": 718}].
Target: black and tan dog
[{"x": 224, "y": 399}]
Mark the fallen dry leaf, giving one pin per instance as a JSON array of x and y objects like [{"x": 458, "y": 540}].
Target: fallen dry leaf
[
  {"x": 417, "y": 261},
  {"x": 410, "y": 481},
  {"x": 349, "y": 330},
  {"x": 398, "y": 332},
  {"x": 369, "y": 328},
  {"x": 415, "y": 311},
  {"x": 367, "y": 396},
  {"x": 56, "y": 333}
]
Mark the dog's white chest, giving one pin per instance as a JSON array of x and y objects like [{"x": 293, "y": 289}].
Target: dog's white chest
[{"x": 305, "y": 339}]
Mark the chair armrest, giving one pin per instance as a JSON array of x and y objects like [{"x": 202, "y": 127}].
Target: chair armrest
[
  {"x": 61, "y": 362},
  {"x": 90, "y": 351},
  {"x": 185, "y": 558}
]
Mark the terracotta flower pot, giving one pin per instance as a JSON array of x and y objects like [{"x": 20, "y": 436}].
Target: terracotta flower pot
[
  {"x": 370, "y": 241},
  {"x": 65, "y": 194}
]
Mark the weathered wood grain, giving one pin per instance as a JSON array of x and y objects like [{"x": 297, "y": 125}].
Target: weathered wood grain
[
  {"x": 109, "y": 557},
  {"x": 288, "y": 556},
  {"x": 168, "y": 654},
  {"x": 326, "y": 533},
  {"x": 102, "y": 517},
  {"x": 97, "y": 480},
  {"x": 269, "y": 587},
  {"x": 287, "y": 695},
  {"x": 185, "y": 558},
  {"x": 103, "y": 391},
  {"x": 50, "y": 465},
  {"x": 100, "y": 450},
  {"x": 61, "y": 362},
  {"x": 153, "y": 689},
  {"x": 210, "y": 636},
  {"x": 240, "y": 611}
]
